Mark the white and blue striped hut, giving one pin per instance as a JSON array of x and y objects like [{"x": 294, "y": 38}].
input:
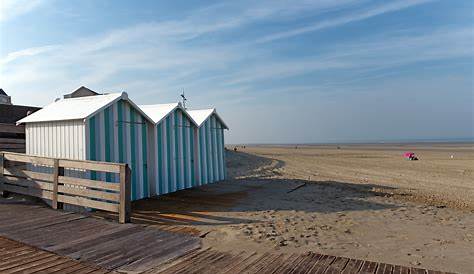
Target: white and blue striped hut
[
  {"x": 107, "y": 128},
  {"x": 173, "y": 145},
  {"x": 210, "y": 149}
]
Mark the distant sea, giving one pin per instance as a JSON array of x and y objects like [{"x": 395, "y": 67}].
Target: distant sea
[{"x": 395, "y": 141}]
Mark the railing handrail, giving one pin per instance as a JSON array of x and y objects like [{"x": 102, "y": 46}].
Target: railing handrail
[{"x": 88, "y": 194}]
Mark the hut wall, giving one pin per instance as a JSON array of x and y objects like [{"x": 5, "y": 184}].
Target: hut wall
[
  {"x": 61, "y": 139},
  {"x": 174, "y": 165},
  {"x": 211, "y": 154},
  {"x": 58, "y": 139},
  {"x": 119, "y": 134}
]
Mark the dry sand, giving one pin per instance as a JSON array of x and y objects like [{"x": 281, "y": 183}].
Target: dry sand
[{"x": 359, "y": 201}]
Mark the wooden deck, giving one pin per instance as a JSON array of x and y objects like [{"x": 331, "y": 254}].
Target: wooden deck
[
  {"x": 112, "y": 246},
  {"x": 74, "y": 243},
  {"x": 20, "y": 258},
  {"x": 211, "y": 261}
]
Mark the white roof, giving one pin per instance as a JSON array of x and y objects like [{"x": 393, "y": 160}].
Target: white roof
[
  {"x": 159, "y": 112},
  {"x": 76, "y": 108},
  {"x": 201, "y": 115}
]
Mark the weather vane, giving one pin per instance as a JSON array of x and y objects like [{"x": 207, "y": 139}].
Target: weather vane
[{"x": 184, "y": 99}]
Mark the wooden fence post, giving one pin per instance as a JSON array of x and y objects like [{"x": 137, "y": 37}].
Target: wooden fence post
[
  {"x": 60, "y": 173},
  {"x": 55, "y": 184},
  {"x": 125, "y": 204},
  {"x": 1, "y": 174}
]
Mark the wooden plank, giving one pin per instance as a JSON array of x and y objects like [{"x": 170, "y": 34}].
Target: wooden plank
[
  {"x": 91, "y": 165},
  {"x": 125, "y": 186},
  {"x": 81, "y": 241},
  {"x": 352, "y": 266},
  {"x": 27, "y": 183},
  {"x": 1, "y": 173},
  {"x": 100, "y": 251},
  {"x": 75, "y": 269},
  {"x": 34, "y": 268},
  {"x": 59, "y": 268},
  {"x": 283, "y": 265},
  {"x": 16, "y": 253},
  {"x": 33, "y": 233},
  {"x": 322, "y": 264},
  {"x": 80, "y": 201},
  {"x": 40, "y": 193},
  {"x": 65, "y": 230},
  {"x": 28, "y": 174},
  {"x": 89, "y": 183},
  {"x": 196, "y": 259},
  {"x": 397, "y": 269},
  {"x": 89, "y": 193},
  {"x": 414, "y": 270},
  {"x": 384, "y": 269},
  {"x": 54, "y": 203},
  {"x": 11, "y": 128},
  {"x": 170, "y": 248},
  {"x": 368, "y": 267},
  {"x": 12, "y": 141},
  {"x": 27, "y": 222},
  {"x": 337, "y": 266},
  {"x": 19, "y": 261},
  {"x": 19, "y": 157},
  {"x": 31, "y": 264},
  {"x": 311, "y": 260},
  {"x": 16, "y": 150},
  {"x": 92, "y": 244},
  {"x": 11, "y": 146}
]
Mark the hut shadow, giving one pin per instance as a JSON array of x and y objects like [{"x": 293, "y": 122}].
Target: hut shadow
[{"x": 255, "y": 186}]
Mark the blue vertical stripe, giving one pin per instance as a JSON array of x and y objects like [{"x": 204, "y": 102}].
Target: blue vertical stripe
[
  {"x": 176, "y": 151},
  {"x": 160, "y": 175},
  {"x": 223, "y": 155},
  {"x": 92, "y": 151},
  {"x": 132, "y": 154},
  {"x": 108, "y": 143},
  {"x": 120, "y": 131},
  {"x": 202, "y": 139},
  {"x": 218, "y": 148},
  {"x": 184, "y": 139},
  {"x": 192, "y": 160},
  {"x": 208, "y": 152},
  {"x": 213, "y": 148},
  {"x": 168, "y": 152},
  {"x": 144, "y": 159}
]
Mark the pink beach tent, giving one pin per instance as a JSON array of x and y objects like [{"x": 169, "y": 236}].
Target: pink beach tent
[{"x": 408, "y": 154}]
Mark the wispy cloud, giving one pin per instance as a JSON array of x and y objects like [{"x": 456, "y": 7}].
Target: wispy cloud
[
  {"x": 162, "y": 57},
  {"x": 12, "y": 56},
  {"x": 345, "y": 19},
  {"x": 12, "y": 8}
]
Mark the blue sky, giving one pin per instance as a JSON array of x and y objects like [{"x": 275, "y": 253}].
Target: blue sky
[{"x": 277, "y": 71}]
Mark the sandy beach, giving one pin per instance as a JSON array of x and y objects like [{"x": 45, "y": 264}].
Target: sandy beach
[{"x": 359, "y": 201}]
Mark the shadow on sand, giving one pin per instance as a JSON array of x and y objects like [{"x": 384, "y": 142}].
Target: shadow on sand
[{"x": 255, "y": 186}]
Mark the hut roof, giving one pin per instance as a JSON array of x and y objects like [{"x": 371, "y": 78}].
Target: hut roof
[
  {"x": 158, "y": 112},
  {"x": 77, "y": 108},
  {"x": 201, "y": 115}
]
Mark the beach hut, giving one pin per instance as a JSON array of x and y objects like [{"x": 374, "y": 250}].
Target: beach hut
[
  {"x": 107, "y": 127},
  {"x": 173, "y": 143},
  {"x": 210, "y": 148}
]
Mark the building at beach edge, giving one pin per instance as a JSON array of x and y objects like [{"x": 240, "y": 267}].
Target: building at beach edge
[{"x": 167, "y": 147}]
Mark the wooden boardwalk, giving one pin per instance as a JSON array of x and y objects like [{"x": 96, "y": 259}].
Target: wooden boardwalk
[
  {"x": 20, "y": 258},
  {"x": 211, "y": 261},
  {"x": 63, "y": 242},
  {"x": 113, "y": 246}
]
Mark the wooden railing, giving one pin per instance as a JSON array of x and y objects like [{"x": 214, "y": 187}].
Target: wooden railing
[
  {"x": 12, "y": 137},
  {"x": 16, "y": 176}
]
